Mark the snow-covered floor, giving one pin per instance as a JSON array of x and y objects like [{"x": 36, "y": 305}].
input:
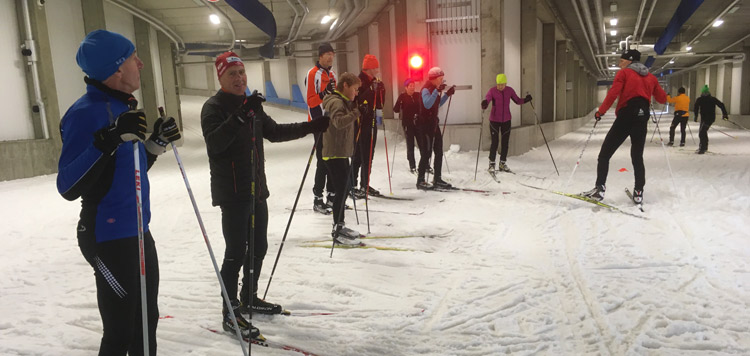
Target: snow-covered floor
[{"x": 522, "y": 271}]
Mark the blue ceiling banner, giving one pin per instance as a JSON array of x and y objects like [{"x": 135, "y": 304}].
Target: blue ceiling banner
[
  {"x": 649, "y": 61},
  {"x": 681, "y": 15},
  {"x": 261, "y": 17}
]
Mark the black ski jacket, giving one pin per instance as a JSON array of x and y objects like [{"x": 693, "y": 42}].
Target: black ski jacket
[
  {"x": 408, "y": 106},
  {"x": 706, "y": 105},
  {"x": 231, "y": 145}
]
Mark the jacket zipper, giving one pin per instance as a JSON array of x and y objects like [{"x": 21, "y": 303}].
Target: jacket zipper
[{"x": 234, "y": 178}]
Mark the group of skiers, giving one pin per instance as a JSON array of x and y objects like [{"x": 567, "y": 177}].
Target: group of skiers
[{"x": 105, "y": 141}]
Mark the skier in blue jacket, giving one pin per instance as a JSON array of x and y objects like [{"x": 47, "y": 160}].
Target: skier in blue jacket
[{"x": 97, "y": 164}]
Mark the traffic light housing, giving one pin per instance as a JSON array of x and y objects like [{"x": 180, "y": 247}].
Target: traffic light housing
[{"x": 416, "y": 67}]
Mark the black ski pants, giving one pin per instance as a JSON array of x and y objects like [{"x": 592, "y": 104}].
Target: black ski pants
[
  {"x": 118, "y": 288},
  {"x": 497, "y": 129},
  {"x": 363, "y": 153},
  {"x": 678, "y": 120},
  {"x": 703, "y": 133},
  {"x": 410, "y": 135},
  {"x": 430, "y": 140},
  {"x": 237, "y": 225},
  {"x": 320, "y": 170},
  {"x": 339, "y": 173},
  {"x": 632, "y": 120}
]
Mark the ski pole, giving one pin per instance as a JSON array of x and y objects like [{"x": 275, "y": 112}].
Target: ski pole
[
  {"x": 690, "y": 130},
  {"x": 372, "y": 129},
  {"x": 725, "y": 133},
  {"x": 545, "y": 139},
  {"x": 580, "y": 156},
  {"x": 479, "y": 147},
  {"x": 291, "y": 215},
  {"x": 442, "y": 134},
  {"x": 387, "y": 163},
  {"x": 666, "y": 156},
  {"x": 208, "y": 243},
  {"x": 738, "y": 125},
  {"x": 141, "y": 255}
]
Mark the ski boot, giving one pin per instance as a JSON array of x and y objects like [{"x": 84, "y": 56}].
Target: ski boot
[
  {"x": 682, "y": 144},
  {"x": 344, "y": 235},
  {"x": 261, "y": 306},
  {"x": 596, "y": 194},
  {"x": 321, "y": 207},
  {"x": 247, "y": 330},
  {"x": 700, "y": 151},
  {"x": 441, "y": 184},
  {"x": 503, "y": 167},
  {"x": 670, "y": 143},
  {"x": 413, "y": 171},
  {"x": 372, "y": 191},
  {"x": 638, "y": 196},
  {"x": 430, "y": 170},
  {"x": 491, "y": 169},
  {"x": 358, "y": 193}
]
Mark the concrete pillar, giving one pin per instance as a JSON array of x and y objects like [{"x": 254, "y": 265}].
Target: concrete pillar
[
  {"x": 570, "y": 93},
  {"x": 291, "y": 65},
  {"x": 561, "y": 60},
  {"x": 713, "y": 78},
  {"x": 266, "y": 72},
  {"x": 727, "y": 87},
  {"x": 167, "y": 60},
  {"x": 340, "y": 60},
  {"x": 93, "y": 15},
  {"x": 745, "y": 84},
  {"x": 149, "y": 101},
  {"x": 580, "y": 88},
  {"x": 700, "y": 80},
  {"x": 210, "y": 75},
  {"x": 529, "y": 57},
  {"x": 692, "y": 87},
  {"x": 492, "y": 61},
  {"x": 363, "y": 40},
  {"x": 549, "y": 49},
  {"x": 386, "y": 62},
  {"x": 402, "y": 41}
]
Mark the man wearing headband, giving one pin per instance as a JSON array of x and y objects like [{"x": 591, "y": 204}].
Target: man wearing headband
[{"x": 234, "y": 126}]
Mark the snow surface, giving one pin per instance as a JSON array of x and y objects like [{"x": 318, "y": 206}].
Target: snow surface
[{"x": 523, "y": 273}]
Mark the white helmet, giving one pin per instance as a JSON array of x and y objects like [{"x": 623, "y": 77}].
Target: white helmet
[{"x": 435, "y": 72}]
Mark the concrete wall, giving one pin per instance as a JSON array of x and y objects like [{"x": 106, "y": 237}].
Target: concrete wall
[
  {"x": 512, "y": 50},
  {"x": 280, "y": 78},
  {"x": 16, "y": 123}
]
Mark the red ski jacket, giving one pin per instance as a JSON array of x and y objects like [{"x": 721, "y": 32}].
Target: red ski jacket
[{"x": 633, "y": 81}]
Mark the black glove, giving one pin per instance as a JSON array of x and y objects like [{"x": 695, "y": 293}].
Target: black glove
[
  {"x": 253, "y": 102},
  {"x": 129, "y": 126},
  {"x": 164, "y": 133},
  {"x": 597, "y": 116},
  {"x": 451, "y": 90},
  {"x": 319, "y": 124},
  {"x": 527, "y": 98},
  {"x": 330, "y": 87},
  {"x": 441, "y": 87},
  {"x": 485, "y": 104}
]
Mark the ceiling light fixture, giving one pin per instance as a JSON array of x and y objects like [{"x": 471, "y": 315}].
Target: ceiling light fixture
[
  {"x": 334, "y": 24},
  {"x": 613, "y": 32},
  {"x": 688, "y": 48},
  {"x": 325, "y": 19},
  {"x": 718, "y": 22},
  {"x": 734, "y": 9},
  {"x": 214, "y": 19},
  {"x": 671, "y": 61},
  {"x": 613, "y": 21}
]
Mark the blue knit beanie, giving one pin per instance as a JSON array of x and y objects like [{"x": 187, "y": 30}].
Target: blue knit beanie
[
  {"x": 102, "y": 52},
  {"x": 408, "y": 81}
]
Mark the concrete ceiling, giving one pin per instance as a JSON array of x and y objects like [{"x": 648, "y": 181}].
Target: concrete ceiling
[
  {"x": 734, "y": 28},
  {"x": 189, "y": 18}
]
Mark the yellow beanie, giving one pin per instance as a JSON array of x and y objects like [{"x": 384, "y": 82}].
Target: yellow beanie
[{"x": 501, "y": 79}]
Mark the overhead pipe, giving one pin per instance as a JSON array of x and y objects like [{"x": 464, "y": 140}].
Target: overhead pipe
[
  {"x": 592, "y": 30},
  {"x": 638, "y": 19},
  {"x": 342, "y": 19},
  {"x": 685, "y": 54},
  {"x": 648, "y": 19},
  {"x": 565, "y": 29},
  {"x": 585, "y": 34},
  {"x": 228, "y": 21},
  {"x": 294, "y": 22},
  {"x": 143, "y": 15},
  {"x": 30, "y": 45},
  {"x": 710, "y": 24},
  {"x": 342, "y": 29},
  {"x": 302, "y": 22},
  {"x": 602, "y": 29}
]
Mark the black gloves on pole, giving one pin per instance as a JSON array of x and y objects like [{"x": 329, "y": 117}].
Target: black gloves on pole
[
  {"x": 451, "y": 91},
  {"x": 164, "y": 133},
  {"x": 251, "y": 104},
  {"x": 485, "y": 104},
  {"x": 319, "y": 124},
  {"x": 129, "y": 126},
  {"x": 527, "y": 98}
]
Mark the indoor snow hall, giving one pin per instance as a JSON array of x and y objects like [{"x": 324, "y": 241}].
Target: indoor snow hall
[{"x": 268, "y": 177}]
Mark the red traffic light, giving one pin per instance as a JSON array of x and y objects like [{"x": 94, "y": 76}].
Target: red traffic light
[{"x": 416, "y": 61}]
